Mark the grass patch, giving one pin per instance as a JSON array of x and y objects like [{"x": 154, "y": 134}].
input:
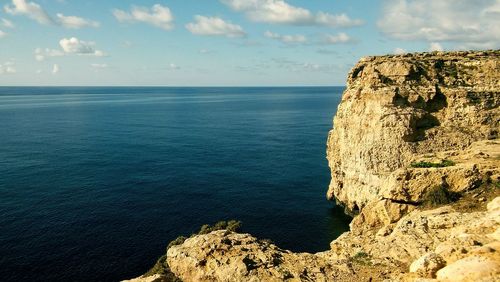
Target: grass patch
[
  {"x": 161, "y": 266},
  {"x": 443, "y": 163},
  {"x": 362, "y": 258},
  {"x": 439, "y": 195}
]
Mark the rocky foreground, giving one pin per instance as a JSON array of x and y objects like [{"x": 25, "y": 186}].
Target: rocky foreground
[{"x": 415, "y": 156}]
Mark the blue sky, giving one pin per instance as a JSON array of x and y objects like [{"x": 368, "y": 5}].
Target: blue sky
[{"x": 226, "y": 42}]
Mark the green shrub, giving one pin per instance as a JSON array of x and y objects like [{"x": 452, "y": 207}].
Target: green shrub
[
  {"x": 161, "y": 267},
  {"x": 443, "y": 163},
  {"x": 231, "y": 225},
  {"x": 439, "y": 195},
  {"x": 362, "y": 258},
  {"x": 177, "y": 241}
]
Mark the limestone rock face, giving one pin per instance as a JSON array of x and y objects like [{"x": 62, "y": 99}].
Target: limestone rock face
[
  {"x": 427, "y": 265},
  {"x": 228, "y": 256},
  {"x": 398, "y": 107}
]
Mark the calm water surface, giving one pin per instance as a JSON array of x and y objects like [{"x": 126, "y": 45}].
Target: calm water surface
[{"x": 94, "y": 182}]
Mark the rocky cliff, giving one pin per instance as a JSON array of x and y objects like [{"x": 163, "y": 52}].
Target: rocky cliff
[
  {"x": 398, "y": 108},
  {"x": 415, "y": 154}
]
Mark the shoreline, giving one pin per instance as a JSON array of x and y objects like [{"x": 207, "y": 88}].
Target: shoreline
[{"x": 414, "y": 154}]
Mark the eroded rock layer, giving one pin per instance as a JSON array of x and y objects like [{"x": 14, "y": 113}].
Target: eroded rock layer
[{"x": 398, "y": 107}]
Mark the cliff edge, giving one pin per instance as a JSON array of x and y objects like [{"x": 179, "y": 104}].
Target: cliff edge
[
  {"x": 415, "y": 156},
  {"x": 398, "y": 108}
]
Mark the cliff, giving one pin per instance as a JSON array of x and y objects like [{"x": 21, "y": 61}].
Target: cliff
[
  {"x": 398, "y": 108},
  {"x": 415, "y": 154}
]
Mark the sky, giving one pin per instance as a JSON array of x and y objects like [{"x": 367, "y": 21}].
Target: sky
[{"x": 226, "y": 42}]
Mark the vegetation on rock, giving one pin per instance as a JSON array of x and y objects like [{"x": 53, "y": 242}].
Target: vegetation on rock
[
  {"x": 439, "y": 195},
  {"x": 443, "y": 163},
  {"x": 161, "y": 266}
]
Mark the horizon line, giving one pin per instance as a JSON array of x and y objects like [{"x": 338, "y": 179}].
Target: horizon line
[{"x": 178, "y": 86}]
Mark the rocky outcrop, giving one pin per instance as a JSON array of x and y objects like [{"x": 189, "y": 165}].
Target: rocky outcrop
[
  {"x": 229, "y": 256},
  {"x": 441, "y": 244},
  {"x": 399, "y": 108},
  {"x": 415, "y": 154},
  {"x": 429, "y": 240}
]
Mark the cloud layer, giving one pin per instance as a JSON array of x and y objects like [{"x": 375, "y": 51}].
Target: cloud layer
[
  {"x": 41, "y": 54},
  {"x": 280, "y": 12},
  {"x": 30, "y": 9},
  {"x": 35, "y": 12},
  {"x": 339, "y": 38},
  {"x": 287, "y": 39},
  {"x": 470, "y": 22},
  {"x": 214, "y": 26},
  {"x": 7, "y": 68},
  {"x": 76, "y": 46},
  {"x": 75, "y": 22},
  {"x": 158, "y": 16}
]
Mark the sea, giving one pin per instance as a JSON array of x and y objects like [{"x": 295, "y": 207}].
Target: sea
[{"x": 96, "y": 181}]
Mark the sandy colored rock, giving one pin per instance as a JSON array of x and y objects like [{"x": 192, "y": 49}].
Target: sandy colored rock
[
  {"x": 473, "y": 268},
  {"x": 228, "y": 256},
  {"x": 427, "y": 265},
  {"x": 398, "y": 107},
  {"x": 152, "y": 278}
]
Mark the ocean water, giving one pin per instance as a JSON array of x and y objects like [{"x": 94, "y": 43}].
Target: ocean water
[{"x": 94, "y": 182}]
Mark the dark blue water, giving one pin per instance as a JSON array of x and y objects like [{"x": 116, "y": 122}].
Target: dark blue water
[{"x": 94, "y": 182}]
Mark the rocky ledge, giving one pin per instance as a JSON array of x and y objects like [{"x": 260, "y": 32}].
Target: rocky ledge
[{"x": 415, "y": 157}]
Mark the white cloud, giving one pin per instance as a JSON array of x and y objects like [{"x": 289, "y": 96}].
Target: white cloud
[
  {"x": 7, "y": 68},
  {"x": 158, "y": 15},
  {"x": 29, "y": 9},
  {"x": 473, "y": 22},
  {"x": 341, "y": 20},
  {"x": 35, "y": 12},
  {"x": 6, "y": 23},
  {"x": 288, "y": 39},
  {"x": 69, "y": 46},
  {"x": 296, "y": 66},
  {"x": 55, "y": 69},
  {"x": 76, "y": 46},
  {"x": 42, "y": 54},
  {"x": 280, "y": 12},
  {"x": 399, "y": 51},
  {"x": 339, "y": 38},
  {"x": 326, "y": 52},
  {"x": 2, "y": 34},
  {"x": 435, "y": 46},
  {"x": 214, "y": 26},
  {"x": 99, "y": 66},
  {"x": 173, "y": 66},
  {"x": 75, "y": 22}
]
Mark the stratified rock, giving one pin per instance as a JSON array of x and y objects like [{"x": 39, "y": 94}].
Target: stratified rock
[
  {"x": 398, "y": 107},
  {"x": 229, "y": 256},
  {"x": 427, "y": 265}
]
